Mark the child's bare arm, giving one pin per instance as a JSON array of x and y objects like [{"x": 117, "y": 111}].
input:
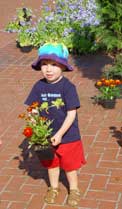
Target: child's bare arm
[{"x": 56, "y": 139}]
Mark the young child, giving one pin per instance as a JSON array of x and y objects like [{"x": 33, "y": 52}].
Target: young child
[{"x": 52, "y": 61}]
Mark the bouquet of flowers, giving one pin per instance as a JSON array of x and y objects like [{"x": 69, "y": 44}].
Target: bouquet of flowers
[{"x": 38, "y": 128}]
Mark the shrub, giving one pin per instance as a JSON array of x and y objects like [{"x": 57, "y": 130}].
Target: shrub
[
  {"x": 114, "y": 71},
  {"x": 109, "y": 32}
]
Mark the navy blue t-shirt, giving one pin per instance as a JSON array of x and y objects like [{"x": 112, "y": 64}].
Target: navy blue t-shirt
[{"x": 65, "y": 90}]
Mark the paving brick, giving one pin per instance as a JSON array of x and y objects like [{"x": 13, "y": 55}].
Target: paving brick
[
  {"x": 15, "y": 184},
  {"x": 115, "y": 187},
  {"x": 88, "y": 203},
  {"x": 106, "y": 205},
  {"x": 57, "y": 207},
  {"x": 36, "y": 200},
  {"x": 109, "y": 154},
  {"x": 13, "y": 196},
  {"x": 18, "y": 205},
  {"x": 111, "y": 164},
  {"x": 4, "y": 180},
  {"x": 93, "y": 170},
  {"x": 4, "y": 204},
  {"x": 103, "y": 195},
  {"x": 32, "y": 189},
  {"x": 99, "y": 182},
  {"x": 84, "y": 177}
]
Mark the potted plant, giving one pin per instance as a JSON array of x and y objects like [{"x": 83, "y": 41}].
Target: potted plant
[
  {"x": 38, "y": 128},
  {"x": 25, "y": 39},
  {"x": 109, "y": 91},
  {"x": 23, "y": 18}
]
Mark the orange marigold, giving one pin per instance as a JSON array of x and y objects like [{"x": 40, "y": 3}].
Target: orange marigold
[
  {"x": 99, "y": 83},
  {"x": 22, "y": 115},
  {"x": 107, "y": 82},
  {"x": 34, "y": 104},
  {"x": 117, "y": 82}
]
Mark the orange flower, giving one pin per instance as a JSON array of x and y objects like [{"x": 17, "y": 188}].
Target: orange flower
[
  {"x": 117, "y": 82},
  {"x": 112, "y": 81},
  {"x": 35, "y": 104},
  {"x": 99, "y": 83},
  {"x": 28, "y": 119},
  {"x": 103, "y": 79},
  {"x": 112, "y": 85},
  {"x": 107, "y": 82},
  {"x": 43, "y": 118},
  {"x": 22, "y": 115},
  {"x": 29, "y": 109},
  {"x": 28, "y": 131}
]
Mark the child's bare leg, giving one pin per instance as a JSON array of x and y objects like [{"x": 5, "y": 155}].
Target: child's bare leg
[
  {"x": 54, "y": 176},
  {"x": 0, "y": 142},
  {"x": 53, "y": 191},
  {"x": 74, "y": 193},
  {"x": 72, "y": 179}
]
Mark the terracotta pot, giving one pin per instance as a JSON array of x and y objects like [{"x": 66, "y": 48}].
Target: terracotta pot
[{"x": 44, "y": 153}]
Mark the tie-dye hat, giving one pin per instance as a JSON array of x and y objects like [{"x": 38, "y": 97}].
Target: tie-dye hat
[{"x": 53, "y": 51}]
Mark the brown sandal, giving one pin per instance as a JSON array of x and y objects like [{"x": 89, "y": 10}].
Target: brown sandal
[
  {"x": 51, "y": 195},
  {"x": 73, "y": 198}
]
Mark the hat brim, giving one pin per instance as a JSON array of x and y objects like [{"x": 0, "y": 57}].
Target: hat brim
[{"x": 36, "y": 64}]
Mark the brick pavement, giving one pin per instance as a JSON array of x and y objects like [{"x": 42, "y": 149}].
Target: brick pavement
[{"x": 23, "y": 181}]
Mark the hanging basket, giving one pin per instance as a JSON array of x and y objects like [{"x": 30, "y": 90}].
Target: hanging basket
[{"x": 44, "y": 152}]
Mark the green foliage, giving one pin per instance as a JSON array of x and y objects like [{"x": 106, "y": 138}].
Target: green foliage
[
  {"x": 108, "y": 93},
  {"x": 109, "y": 32},
  {"x": 25, "y": 37},
  {"x": 21, "y": 22},
  {"x": 115, "y": 71}
]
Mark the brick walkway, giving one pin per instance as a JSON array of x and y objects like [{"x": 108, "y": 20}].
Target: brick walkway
[{"x": 23, "y": 182}]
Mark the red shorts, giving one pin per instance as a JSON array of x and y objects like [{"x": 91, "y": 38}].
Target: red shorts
[{"x": 68, "y": 156}]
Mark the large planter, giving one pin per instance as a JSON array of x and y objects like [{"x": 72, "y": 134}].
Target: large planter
[
  {"x": 44, "y": 153},
  {"x": 108, "y": 103}
]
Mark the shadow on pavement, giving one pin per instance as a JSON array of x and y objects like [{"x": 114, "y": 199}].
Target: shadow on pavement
[
  {"x": 29, "y": 162},
  {"x": 117, "y": 134},
  {"x": 91, "y": 66}
]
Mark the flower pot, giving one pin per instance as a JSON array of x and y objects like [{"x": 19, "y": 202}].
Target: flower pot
[
  {"x": 108, "y": 103},
  {"x": 44, "y": 153},
  {"x": 24, "y": 49}
]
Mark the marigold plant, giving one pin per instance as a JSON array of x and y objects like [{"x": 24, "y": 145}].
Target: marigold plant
[{"x": 108, "y": 88}]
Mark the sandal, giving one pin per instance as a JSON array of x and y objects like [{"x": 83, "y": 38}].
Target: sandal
[
  {"x": 51, "y": 195},
  {"x": 73, "y": 198}
]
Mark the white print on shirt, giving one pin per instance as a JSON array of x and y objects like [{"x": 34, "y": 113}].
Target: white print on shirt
[{"x": 45, "y": 96}]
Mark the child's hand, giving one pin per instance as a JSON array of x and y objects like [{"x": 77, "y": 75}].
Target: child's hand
[{"x": 56, "y": 139}]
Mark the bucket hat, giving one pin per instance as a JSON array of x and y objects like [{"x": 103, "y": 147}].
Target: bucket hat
[{"x": 53, "y": 51}]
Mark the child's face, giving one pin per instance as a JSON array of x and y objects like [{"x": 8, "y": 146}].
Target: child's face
[{"x": 51, "y": 70}]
